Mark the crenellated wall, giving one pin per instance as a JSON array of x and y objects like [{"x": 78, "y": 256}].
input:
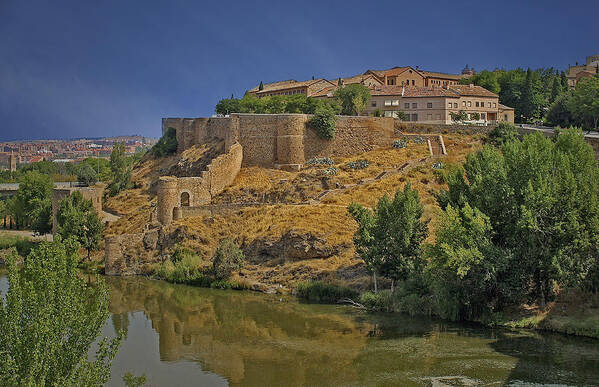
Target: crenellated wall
[{"x": 284, "y": 140}]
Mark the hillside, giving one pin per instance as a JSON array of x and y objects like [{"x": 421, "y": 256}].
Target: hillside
[{"x": 292, "y": 226}]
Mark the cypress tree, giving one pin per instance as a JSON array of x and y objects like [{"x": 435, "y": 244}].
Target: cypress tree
[
  {"x": 564, "y": 81},
  {"x": 261, "y": 87},
  {"x": 555, "y": 89},
  {"x": 339, "y": 82}
]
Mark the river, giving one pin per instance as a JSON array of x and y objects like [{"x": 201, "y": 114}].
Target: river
[{"x": 179, "y": 335}]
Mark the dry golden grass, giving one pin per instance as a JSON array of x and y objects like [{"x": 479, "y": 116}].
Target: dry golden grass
[
  {"x": 202, "y": 234},
  {"x": 252, "y": 223},
  {"x": 134, "y": 207},
  {"x": 329, "y": 219}
]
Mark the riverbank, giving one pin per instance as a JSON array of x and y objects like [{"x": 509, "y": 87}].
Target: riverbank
[{"x": 573, "y": 313}]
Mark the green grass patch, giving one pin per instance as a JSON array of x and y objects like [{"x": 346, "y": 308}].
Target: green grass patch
[{"x": 322, "y": 292}]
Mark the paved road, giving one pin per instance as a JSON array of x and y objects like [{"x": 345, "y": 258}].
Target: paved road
[{"x": 546, "y": 129}]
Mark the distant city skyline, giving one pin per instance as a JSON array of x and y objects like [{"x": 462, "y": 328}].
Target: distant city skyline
[{"x": 99, "y": 69}]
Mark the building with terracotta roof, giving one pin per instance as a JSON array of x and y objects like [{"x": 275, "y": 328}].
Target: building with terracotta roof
[
  {"x": 587, "y": 70},
  {"x": 396, "y": 76},
  {"x": 432, "y": 104},
  {"x": 291, "y": 87}
]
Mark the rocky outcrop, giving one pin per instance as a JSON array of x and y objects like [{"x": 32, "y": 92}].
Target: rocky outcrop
[
  {"x": 292, "y": 246},
  {"x": 132, "y": 254}
]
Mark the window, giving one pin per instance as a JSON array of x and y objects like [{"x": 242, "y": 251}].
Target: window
[
  {"x": 505, "y": 117},
  {"x": 395, "y": 102},
  {"x": 391, "y": 81},
  {"x": 414, "y": 117},
  {"x": 494, "y": 104},
  {"x": 407, "y": 117},
  {"x": 449, "y": 105},
  {"x": 412, "y": 82},
  {"x": 414, "y": 105},
  {"x": 455, "y": 105},
  {"x": 429, "y": 105},
  {"x": 463, "y": 103},
  {"x": 387, "y": 102},
  {"x": 388, "y": 113},
  {"x": 469, "y": 103},
  {"x": 483, "y": 116},
  {"x": 488, "y": 104},
  {"x": 406, "y": 105},
  {"x": 476, "y": 103},
  {"x": 373, "y": 103}
]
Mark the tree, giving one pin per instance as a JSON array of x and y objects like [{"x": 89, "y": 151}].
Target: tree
[
  {"x": 49, "y": 319},
  {"x": 77, "y": 218},
  {"x": 33, "y": 198},
  {"x": 556, "y": 89},
  {"x": 460, "y": 116},
  {"x": 227, "y": 258},
  {"x": 542, "y": 200},
  {"x": 584, "y": 102},
  {"x": 339, "y": 82},
  {"x": 167, "y": 144},
  {"x": 531, "y": 100},
  {"x": 401, "y": 115},
  {"x": 389, "y": 237},
  {"x": 475, "y": 116},
  {"x": 559, "y": 114},
  {"x": 120, "y": 170},
  {"x": 502, "y": 133},
  {"x": 564, "y": 81},
  {"x": 86, "y": 175},
  {"x": 227, "y": 106},
  {"x": 324, "y": 122},
  {"x": 353, "y": 98},
  {"x": 464, "y": 265},
  {"x": 261, "y": 86}
]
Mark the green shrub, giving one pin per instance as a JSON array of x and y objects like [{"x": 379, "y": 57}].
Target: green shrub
[
  {"x": 502, "y": 133},
  {"x": 220, "y": 284},
  {"x": 227, "y": 258},
  {"x": 22, "y": 245},
  {"x": 321, "y": 292},
  {"x": 184, "y": 267},
  {"x": 167, "y": 144},
  {"x": 320, "y": 161},
  {"x": 324, "y": 122},
  {"x": 419, "y": 140},
  {"x": 358, "y": 164},
  {"x": 382, "y": 301},
  {"x": 400, "y": 144}
]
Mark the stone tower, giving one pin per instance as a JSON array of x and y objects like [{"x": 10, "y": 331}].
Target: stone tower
[
  {"x": 168, "y": 199},
  {"x": 12, "y": 162}
]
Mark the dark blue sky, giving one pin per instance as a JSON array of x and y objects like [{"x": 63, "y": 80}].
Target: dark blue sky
[{"x": 109, "y": 67}]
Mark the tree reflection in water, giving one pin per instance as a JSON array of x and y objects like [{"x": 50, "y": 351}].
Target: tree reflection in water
[{"x": 255, "y": 339}]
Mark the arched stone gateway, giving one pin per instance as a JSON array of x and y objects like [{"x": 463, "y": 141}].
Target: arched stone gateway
[{"x": 185, "y": 199}]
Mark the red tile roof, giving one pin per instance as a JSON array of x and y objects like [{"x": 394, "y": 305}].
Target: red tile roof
[
  {"x": 472, "y": 91},
  {"x": 414, "y": 91}
]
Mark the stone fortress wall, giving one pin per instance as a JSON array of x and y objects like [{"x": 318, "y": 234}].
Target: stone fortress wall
[{"x": 282, "y": 141}]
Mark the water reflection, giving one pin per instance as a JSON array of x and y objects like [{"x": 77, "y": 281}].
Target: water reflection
[{"x": 215, "y": 337}]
